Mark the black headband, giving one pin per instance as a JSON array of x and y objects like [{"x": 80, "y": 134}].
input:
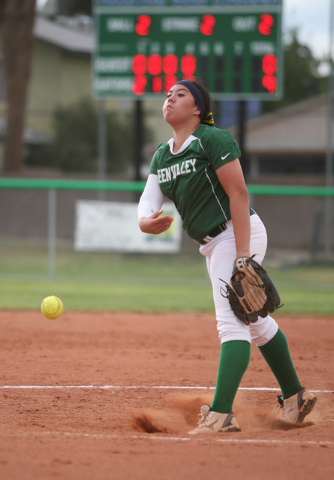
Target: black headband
[{"x": 196, "y": 93}]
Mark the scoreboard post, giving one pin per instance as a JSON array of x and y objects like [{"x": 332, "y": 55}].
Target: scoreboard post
[{"x": 142, "y": 47}]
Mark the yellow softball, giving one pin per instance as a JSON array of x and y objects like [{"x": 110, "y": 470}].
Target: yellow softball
[{"x": 52, "y": 307}]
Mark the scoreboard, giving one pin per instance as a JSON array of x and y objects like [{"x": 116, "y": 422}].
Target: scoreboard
[{"x": 144, "y": 46}]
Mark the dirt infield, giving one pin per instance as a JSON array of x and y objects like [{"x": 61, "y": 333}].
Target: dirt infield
[{"x": 124, "y": 389}]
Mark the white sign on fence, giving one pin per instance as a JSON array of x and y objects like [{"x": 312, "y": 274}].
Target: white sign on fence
[{"x": 113, "y": 226}]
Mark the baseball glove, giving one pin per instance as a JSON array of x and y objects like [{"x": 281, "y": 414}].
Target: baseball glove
[{"x": 252, "y": 293}]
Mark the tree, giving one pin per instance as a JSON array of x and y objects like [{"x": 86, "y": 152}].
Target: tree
[
  {"x": 75, "y": 144},
  {"x": 17, "y": 20},
  {"x": 301, "y": 74}
]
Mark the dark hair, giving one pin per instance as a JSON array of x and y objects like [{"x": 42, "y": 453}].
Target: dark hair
[{"x": 207, "y": 99}]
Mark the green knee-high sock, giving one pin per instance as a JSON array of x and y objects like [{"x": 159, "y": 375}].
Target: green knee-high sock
[
  {"x": 276, "y": 354},
  {"x": 233, "y": 362}
]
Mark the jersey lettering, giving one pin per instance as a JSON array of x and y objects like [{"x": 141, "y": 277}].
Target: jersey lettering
[{"x": 166, "y": 174}]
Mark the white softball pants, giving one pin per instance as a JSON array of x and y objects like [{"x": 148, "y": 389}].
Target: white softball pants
[{"x": 220, "y": 253}]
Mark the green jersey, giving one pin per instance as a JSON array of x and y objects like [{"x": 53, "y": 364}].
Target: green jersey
[{"x": 188, "y": 178}]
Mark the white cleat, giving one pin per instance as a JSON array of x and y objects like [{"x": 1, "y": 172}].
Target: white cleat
[
  {"x": 215, "y": 422},
  {"x": 296, "y": 408}
]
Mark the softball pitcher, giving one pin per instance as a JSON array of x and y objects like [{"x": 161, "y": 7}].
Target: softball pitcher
[{"x": 199, "y": 170}]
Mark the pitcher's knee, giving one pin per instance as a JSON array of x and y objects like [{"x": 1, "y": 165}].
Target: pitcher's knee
[{"x": 263, "y": 330}]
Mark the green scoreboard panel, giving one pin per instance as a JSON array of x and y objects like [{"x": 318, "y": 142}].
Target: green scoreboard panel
[{"x": 144, "y": 46}]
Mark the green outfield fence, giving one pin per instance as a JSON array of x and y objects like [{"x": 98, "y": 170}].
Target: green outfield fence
[
  {"x": 52, "y": 185},
  {"x": 60, "y": 184}
]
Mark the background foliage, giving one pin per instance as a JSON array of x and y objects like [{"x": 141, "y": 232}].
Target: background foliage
[
  {"x": 75, "y": 143},
  {"x": 302, "y": 77}
]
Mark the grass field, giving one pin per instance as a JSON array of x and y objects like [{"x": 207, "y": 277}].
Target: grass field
[{"x": 105, "y": 281}]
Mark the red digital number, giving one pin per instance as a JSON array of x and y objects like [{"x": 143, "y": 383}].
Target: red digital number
[
  {"x": 266, "y": 24},
  {"x": 207, "y": 24},
  {"x": 269, "y": 64},
  {"x": 139, "y": 84},
  {"x": 139, "y": 64},
  {"x": 156, "y": 84},
  {"x": 169, "y": 64},
  {"x": 143, "y": 25},
  {"x": 169, "y": 81},
  {"x": 269, "y": 82},
  {"x": 154, "y": 64},
  {"x": 188, "y": 65}
]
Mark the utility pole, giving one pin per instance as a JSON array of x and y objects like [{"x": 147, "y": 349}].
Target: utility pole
[
  {"x": 102, "y": 146},
  {"x": 329, "y": 152}
]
